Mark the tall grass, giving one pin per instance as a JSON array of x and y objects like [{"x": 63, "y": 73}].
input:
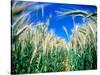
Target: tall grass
[{"x": 35, "y": 50}]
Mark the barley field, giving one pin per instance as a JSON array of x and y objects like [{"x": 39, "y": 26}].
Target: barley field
[{"x": 36, "y": 49}]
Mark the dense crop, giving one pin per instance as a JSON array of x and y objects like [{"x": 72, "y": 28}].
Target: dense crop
[{"x": 36, "y": 50}]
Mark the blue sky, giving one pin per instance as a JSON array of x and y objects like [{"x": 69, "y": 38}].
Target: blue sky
[{"x": 56, "y": 21}]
